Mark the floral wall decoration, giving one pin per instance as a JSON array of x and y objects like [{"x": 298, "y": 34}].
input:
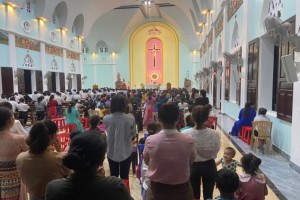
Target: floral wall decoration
[
  {"x": 219, "y": 24},
  {"x": 27, "y": 43},
  {"x": 55, "y": 51},
  {"x": 233, "y": 7},
  {"x": 72, "y": 55}
]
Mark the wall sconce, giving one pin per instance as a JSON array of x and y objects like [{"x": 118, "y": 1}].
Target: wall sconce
[{"x": 10, "y": 4}]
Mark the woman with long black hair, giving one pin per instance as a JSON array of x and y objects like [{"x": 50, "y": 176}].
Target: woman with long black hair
[
  {"x": 246, "y": 116},
  {"x": 72, "y": 116}
]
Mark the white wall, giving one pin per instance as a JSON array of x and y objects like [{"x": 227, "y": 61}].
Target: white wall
[{"x": 295, "y": 150}]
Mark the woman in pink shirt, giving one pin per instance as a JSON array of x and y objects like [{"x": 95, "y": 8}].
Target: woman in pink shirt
[
  {"x": 148, "y": 116},
  {"x": 169, "y": 155}
]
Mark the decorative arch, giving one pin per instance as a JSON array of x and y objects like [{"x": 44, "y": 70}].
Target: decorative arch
[
  {"x": 61, "y": 11},
  {"x": 28, "y": 62},
  {"x": 101, "y": 47},
  {"x": 235, "y": 39},
  {"x": 138, "y": 51},
  {"x": 78, "y": 24},
  {"x": 54, "y": 65}
]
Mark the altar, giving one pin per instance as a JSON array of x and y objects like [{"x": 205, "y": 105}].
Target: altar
[{"x": 151, "y": 86}]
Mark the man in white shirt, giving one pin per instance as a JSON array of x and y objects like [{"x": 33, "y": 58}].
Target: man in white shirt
[
  {"x": 13, "y": 102},
  {"x": 35, "y": 96},
  {"x": 77, "y": 97},
  {"x": 59, "y": 100},
  {"x": 23, "y": 110},
  {"x": 3, "y": 98}
]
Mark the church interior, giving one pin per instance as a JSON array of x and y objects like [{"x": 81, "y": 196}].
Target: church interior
[{"x": 238, "y": 51}]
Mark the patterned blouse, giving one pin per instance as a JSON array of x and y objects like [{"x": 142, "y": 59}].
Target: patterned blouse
[{"x": 231, "y": 166}]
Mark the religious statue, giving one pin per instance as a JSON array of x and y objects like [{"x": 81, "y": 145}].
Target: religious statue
[{"x": 118, "y": 83}]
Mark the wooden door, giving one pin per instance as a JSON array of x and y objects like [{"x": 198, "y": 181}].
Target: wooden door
[
  {"x": 62, "y": 82},
  {"x": 39, "y": 81},
  {"x": 7, "y": 81},
  {"x": 215, "y": 82},
  {"x": 53, "y": 81},
  {"x": 238, "y": 87},
  {"x": 79, "y": 86},
  {"x": 285, "y": 89},
  {"x": 227, "y": 80},
  {"x": 21, "y": 81},
  {"x": 28, "y": 83},
  {"x": 253, "y": 70}
]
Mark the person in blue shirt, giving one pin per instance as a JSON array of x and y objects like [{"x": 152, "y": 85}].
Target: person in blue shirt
[{"x": 246, "y": 116}]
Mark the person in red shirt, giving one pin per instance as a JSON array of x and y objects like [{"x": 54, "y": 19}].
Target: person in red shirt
[{"x": 52, "y": 107}]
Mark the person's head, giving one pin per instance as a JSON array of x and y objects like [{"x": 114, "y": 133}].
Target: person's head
[
  {"x": 168, "y": 114},
  {"x": 153, "y": 128},
  {"x": 21, "y": 100},
  {"x": 94, "y": 121},
  {"x": 250, "y": 163},
  {"x": 6, "y": 118},
  {"x": 200, "y": 115},
  {"x": 229, "y": 153},
  {"x": 40, "y": 99},
  {"x": 203, "y": 93},
  {"x": 227, "y": 182},
  {"x": 209, "y": 106},
  {"x": 262, "y": 111},
  {"x": 118, "y": 104},
  {"x": 38, "y": 139},
  {"x": 12, "y": 98},
  {"x": 52, "y": 129},
  {"x": 71, "y": 105},
  {"x": 247, "y": 108},
  {"x": 51, "y": 97},
  {"x": 6, "y": 104},
  {"x": 189, "y": 121},
  {"x": 87, "y": 152}
]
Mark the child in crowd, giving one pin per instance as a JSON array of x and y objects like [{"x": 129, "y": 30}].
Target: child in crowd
[
  {"x": 227, "y": 161},
  {"x": 189, "y": 123},
  {"x": 134, "y": 156},
  {"x": 227, "y": 183},
  {"x": 252, "y": 184},
  {"x": 94, "y": 126}
]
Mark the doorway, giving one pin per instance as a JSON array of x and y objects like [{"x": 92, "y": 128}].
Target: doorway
[{"x": 27, "y": 80}]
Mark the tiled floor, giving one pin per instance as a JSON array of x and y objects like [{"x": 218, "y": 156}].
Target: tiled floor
[{"x": 283, "y": 180}]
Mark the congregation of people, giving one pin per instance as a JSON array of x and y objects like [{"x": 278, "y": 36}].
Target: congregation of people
[{"x": 176, "y": 158}]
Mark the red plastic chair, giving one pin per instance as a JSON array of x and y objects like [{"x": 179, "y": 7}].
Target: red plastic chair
[
  {"x": 246, "y": 134},
  {"x": 85, "y": 122},
  {"x": 60, "y": 123},
  {"x": 64, "y": 140},
  {"x": 70, "y": 128},
  {"x": 211, "y": 122}
]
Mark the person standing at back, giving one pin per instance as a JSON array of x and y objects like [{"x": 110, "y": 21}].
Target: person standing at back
[
  {"x": 207, "y": 144},
  {"x": 169, "y": 155},
  {"x": 120, "y": 128}
]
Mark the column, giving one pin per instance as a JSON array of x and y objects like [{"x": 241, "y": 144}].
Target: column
[
  {"x": 43, "y": 65},
  {"x": 245, "y": 54},
  {"x": 114, "y": 71},
  {"x": 194, "y": 67},
  {"x": 33, "y": 81},
  {"x": 12, "y": 43},
  {"x": 66, "y": 71},
  {"x": 80, "y": 60},
  {"x": 223, "y": 36}
]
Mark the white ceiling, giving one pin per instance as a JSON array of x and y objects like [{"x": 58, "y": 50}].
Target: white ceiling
[{"x": 101, "y": 21}]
